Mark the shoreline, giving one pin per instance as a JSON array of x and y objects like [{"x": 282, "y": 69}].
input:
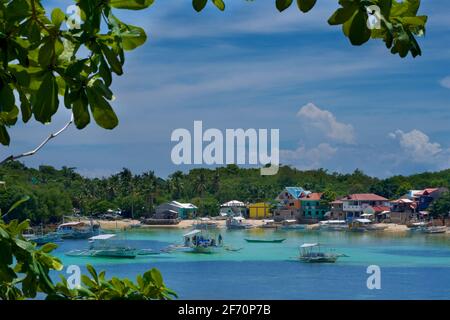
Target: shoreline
[{"x": 392, "y": 228}]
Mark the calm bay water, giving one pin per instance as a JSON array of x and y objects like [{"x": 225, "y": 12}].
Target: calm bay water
[{"x": 413, "y": 266}]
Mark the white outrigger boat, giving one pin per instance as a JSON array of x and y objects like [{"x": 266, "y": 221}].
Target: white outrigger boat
[
  {"x": 292, "y": 225},
  {"x": 205, "y": 223},
  {"x": 268, "y": 224},
  {"x": 237, "y": 223},
  {"x": 310, "y": 252},
  {"x": 199, "y": 241},
  {"x": 418, "y": 226},
  {"x": 78, "y": 230},
  {"x": 333, "y": 225},
  {"x": 435, "y": 229},
  {"x": 99, "y": 247}
]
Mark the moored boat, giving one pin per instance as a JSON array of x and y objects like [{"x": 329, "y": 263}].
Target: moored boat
[
  {"x": 200, "y": 241},
  {"x": 264, "y": 240},
  {"x": 333, "y": 225},
  {"x": 100, "y": 247},
  {"x": 205, "y": 223},
  {"x": 237, "y": 223},
  {"x": 292, "y": 225},
  {"x": 268, "y": 224},
  {"x": 435, "y": 229},
  {"x": 78, "y": 230},
  {"x": 311, "y": 253}
]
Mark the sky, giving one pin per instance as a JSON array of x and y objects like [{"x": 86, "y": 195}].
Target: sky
[{"x": 337, "y": 106}]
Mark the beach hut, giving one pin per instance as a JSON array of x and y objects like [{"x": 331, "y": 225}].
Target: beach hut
[
  {"x": 259, "y": 210},
  {"x": 184, "y": 210}
]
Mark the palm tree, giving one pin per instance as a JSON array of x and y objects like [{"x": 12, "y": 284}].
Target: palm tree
[
  {"x": 176, "y": 180},
  {"x": 201, "y": 184}
]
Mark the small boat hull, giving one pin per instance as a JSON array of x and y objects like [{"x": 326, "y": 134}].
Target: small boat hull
[
  {"x": 265, "y": 241},
  {"x": 324, "y": 259}
]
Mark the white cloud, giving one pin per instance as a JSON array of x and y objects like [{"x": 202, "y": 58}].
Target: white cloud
[
  {"x": 417, "y": 145},
  {"x": 326, "y": 122},
  {"x": 445, "y": 82},
  {"x": 304, "y": 158}
]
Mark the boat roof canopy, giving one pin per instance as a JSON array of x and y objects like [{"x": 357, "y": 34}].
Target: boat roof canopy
[
  {"x": 309, "y": 245},
  {"x": 102, "y": 237},
  {"x": 191, "y": 233},
  {"x": 75, "y": 223}
]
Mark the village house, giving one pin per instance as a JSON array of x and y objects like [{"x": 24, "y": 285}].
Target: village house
[
  {"x": 184, "y": 210},
  {"x": 312, "y": 208},
  {"x": 288, "y": 207},
  {"x": 414, "y": 204},
  {"x": 260, "y": 210},
  {"x": 356, "y": 205}
]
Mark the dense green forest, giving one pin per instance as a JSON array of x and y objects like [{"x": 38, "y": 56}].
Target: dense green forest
[{"x": 54, "y": 193}]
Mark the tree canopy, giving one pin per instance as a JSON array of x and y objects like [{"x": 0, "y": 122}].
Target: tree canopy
[{"x": 54, "y": 192}]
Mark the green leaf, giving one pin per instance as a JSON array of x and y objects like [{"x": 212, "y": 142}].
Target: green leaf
[
  {"x": 7, "y": 99},
  {"x": 104, "y": 72},
  {"x": 131, "y": 4},
  {"x": 359, "y": 33},
  {"x": 219, "y": 4},
  {"x": 306, "y": 5},
  {"x": 58, "y": 17},
  {"x": 46, "y": 53},
  {"x": 157, "y": 277},
  {"x": 111, "y": 57},
  {"x": 47, "y": 101},
  {"x": 103, "y": 114},
  {"x": 198, "y": 5},
  {"x": 4, "y": 136},
  {"x": 80, "y": 111},
  {"x": 17, "y": 203},
  {"x": 341, "y": 15},
  {"x": 283, "y": 4},
  {"x": 133, "y": 37},
  {"x": 48, "y": 247}
]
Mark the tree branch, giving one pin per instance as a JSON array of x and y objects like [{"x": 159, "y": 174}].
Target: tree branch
[{"x": 39, "y": 147}]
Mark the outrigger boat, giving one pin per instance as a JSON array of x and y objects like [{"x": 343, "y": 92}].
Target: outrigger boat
[
  {"x": 333, "y": 225},
  {"x": 199, "y": 241},
  {"x": 205, "y": 223},
  {"x": 310, "y": 252},
  {"x": 99, "y": 247},
  {"x": 417, "y": 226},
  {"x": 77, "y": 230},
  {"x": 269, "y": 224},
  {"x": 292, "y": 225},
  {"x": 435, "y": 229},
  {"x": 237, "y": 223},
  {"x": 41, "y": 238},
  {"x": 265, "y": 241}
]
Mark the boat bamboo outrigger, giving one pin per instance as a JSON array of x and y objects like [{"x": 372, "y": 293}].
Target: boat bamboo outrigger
[{"x": 311, "y": 253}]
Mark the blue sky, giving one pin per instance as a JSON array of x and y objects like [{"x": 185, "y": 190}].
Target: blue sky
[{"x": 337, "y": 106}]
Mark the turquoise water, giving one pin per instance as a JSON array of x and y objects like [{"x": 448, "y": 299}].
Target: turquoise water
[{"x": 413, "y": 266}]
